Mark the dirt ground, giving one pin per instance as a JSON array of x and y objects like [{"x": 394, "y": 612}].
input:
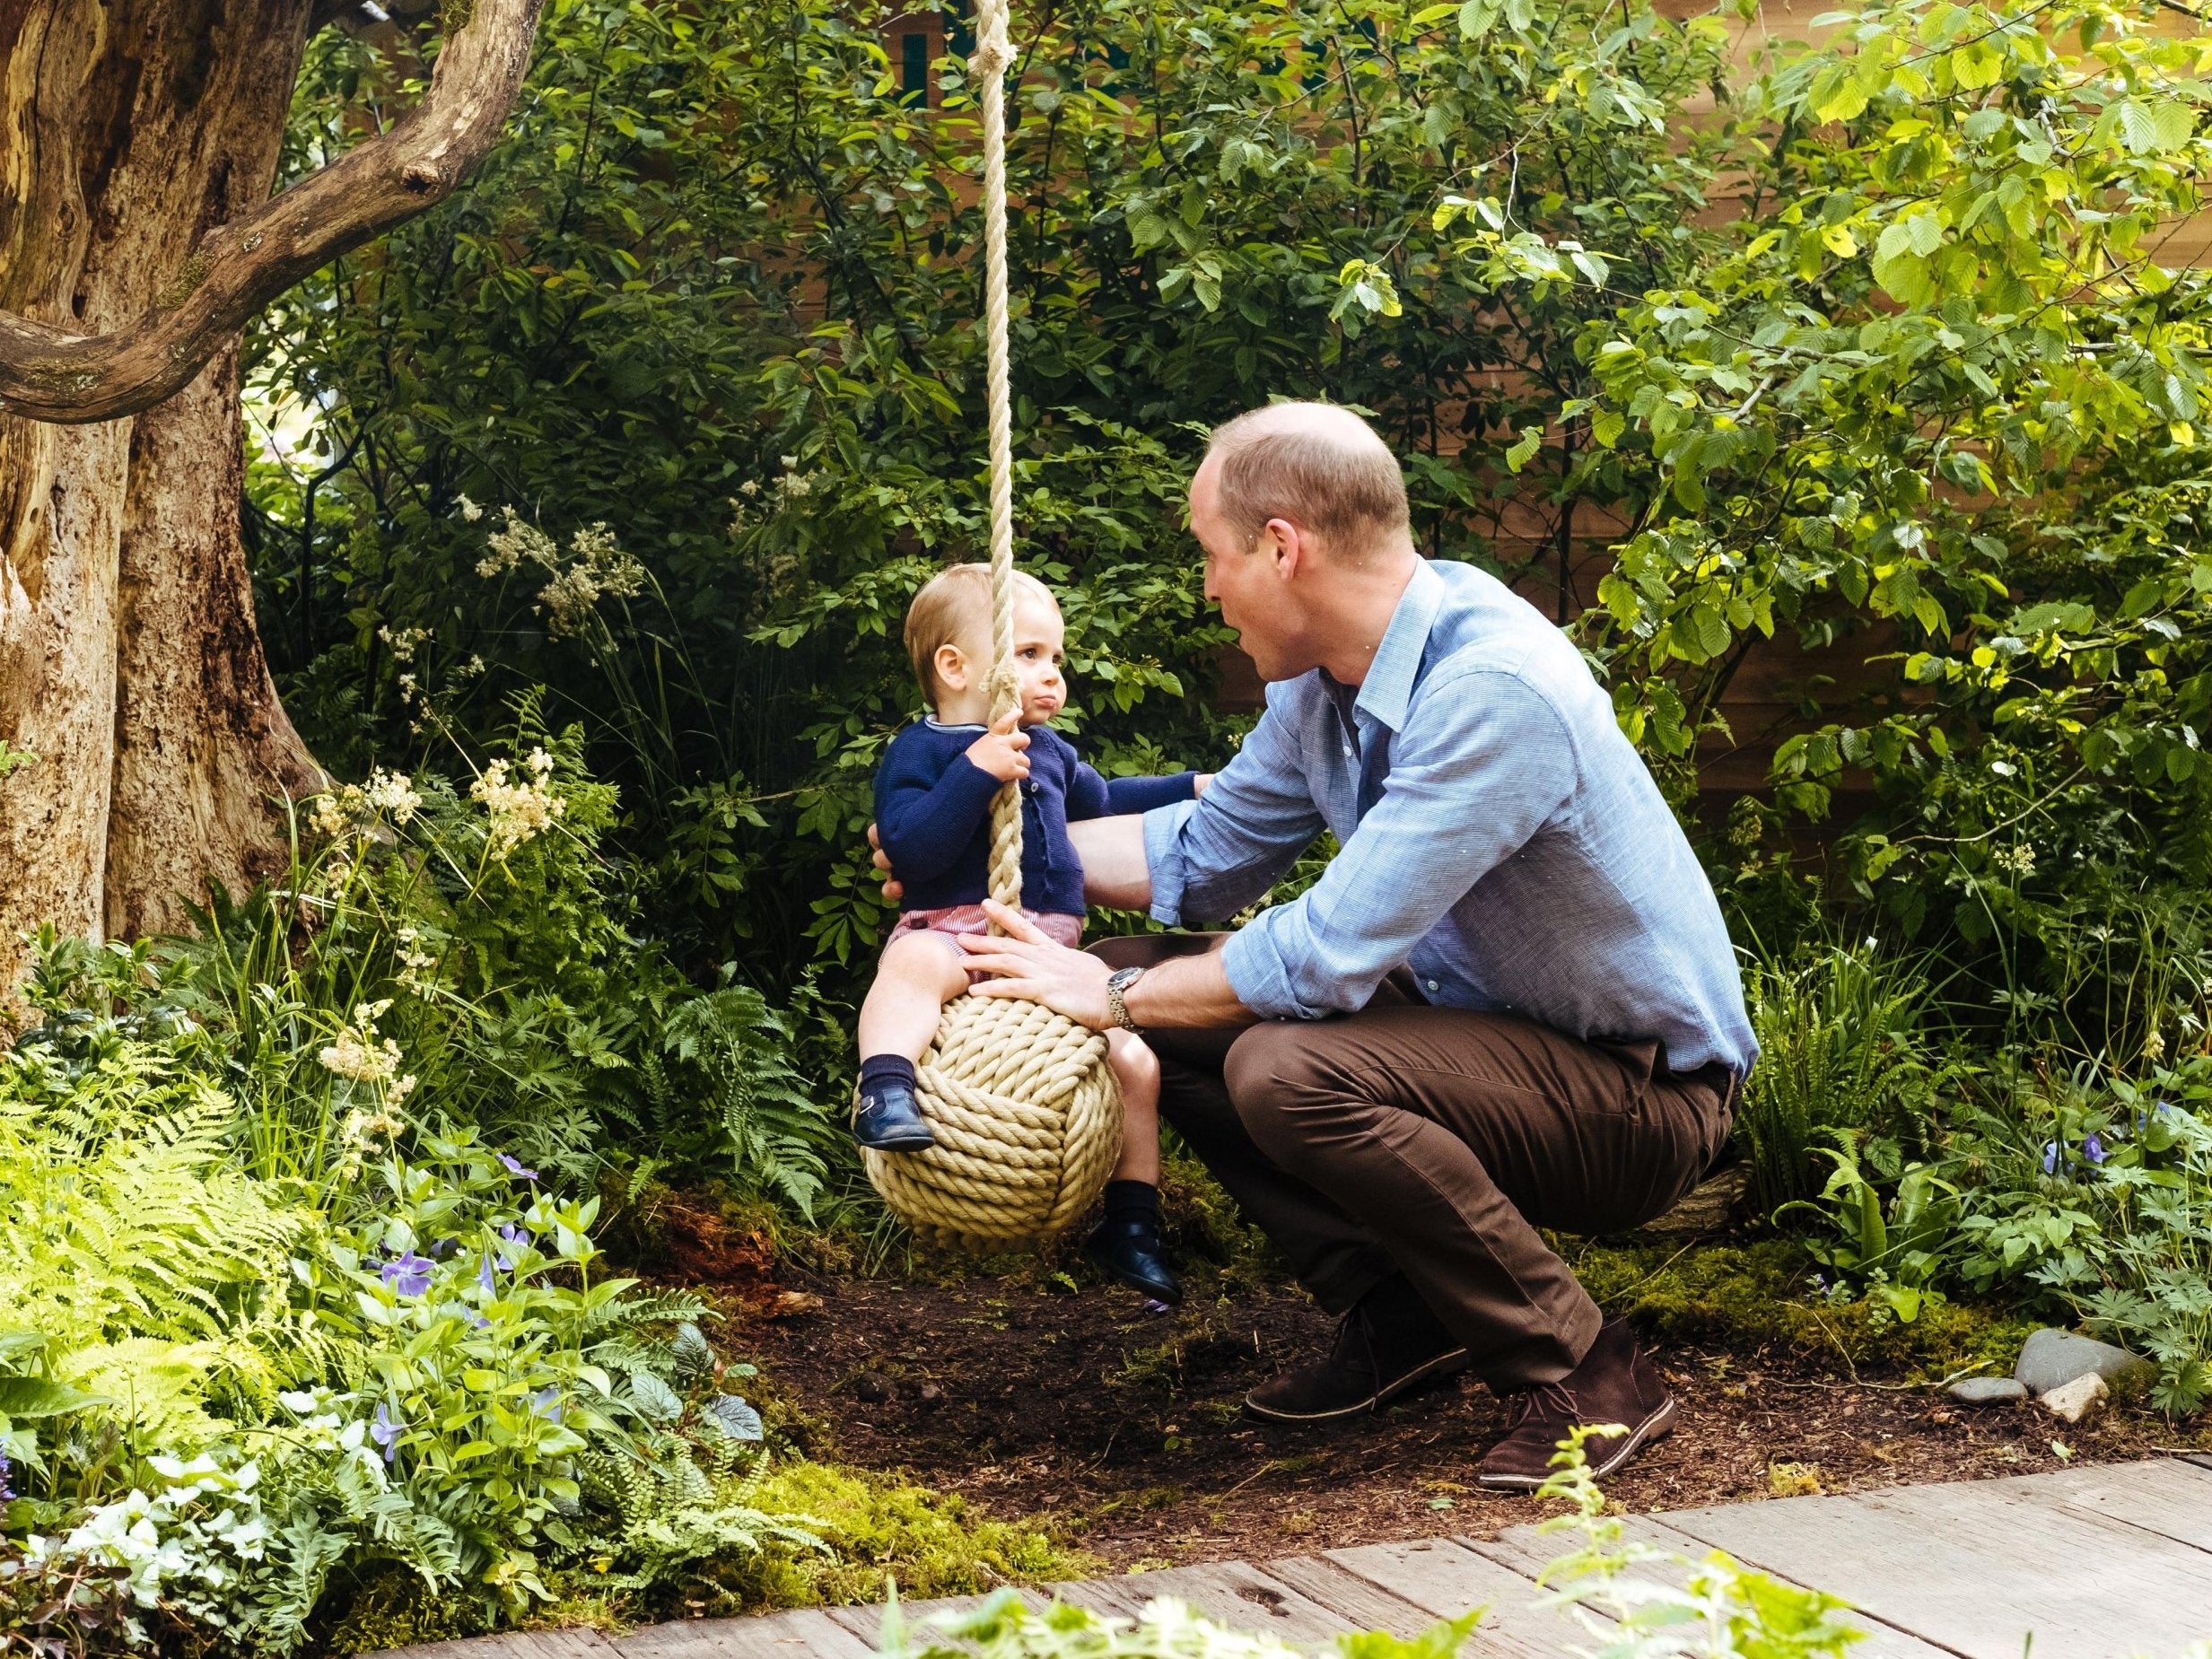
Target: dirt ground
[{"x": 1125, "y": 1425}]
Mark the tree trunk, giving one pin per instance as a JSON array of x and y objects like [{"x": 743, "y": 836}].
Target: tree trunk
[{"x": 129, "y": 660}]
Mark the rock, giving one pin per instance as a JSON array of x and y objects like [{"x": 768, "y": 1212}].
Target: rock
[
  {"x": 872, "y": 1388},
  {"x": 2075, "y": 1401},
  {"x": 2051, "y": 1359},
  {"x": 1989, "y": 1391}
]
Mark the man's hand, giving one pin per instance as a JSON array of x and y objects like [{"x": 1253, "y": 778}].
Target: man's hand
[
  {"x": 1027, "y": 964},
  {"x": 998, "y": 751},
  {"x": 894, "y": 889}
]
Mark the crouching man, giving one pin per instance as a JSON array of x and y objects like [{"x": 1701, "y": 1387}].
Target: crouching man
[{"x": 1510, "y": 1003}]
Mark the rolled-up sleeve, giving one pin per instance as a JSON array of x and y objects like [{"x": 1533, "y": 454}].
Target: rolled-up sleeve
[
  {"x": 1209, "y": 857},
  {"x": 1483, "y": 763}
]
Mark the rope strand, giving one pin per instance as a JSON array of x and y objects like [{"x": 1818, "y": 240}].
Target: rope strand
[
  {"x": 1026, "y": 1110},
  {"x": 994, "y": 53}
]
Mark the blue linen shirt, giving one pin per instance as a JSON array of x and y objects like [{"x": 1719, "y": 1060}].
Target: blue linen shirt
[{"x": 1499, "y": 836}]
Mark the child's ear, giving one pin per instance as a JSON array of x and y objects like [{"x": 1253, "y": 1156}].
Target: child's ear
[{"x": 951, "y": 666}]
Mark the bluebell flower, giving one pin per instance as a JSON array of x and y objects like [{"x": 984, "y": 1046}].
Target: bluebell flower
[
  {"x": 515, "y": 1168},
  {"x": 2093, "y": 1149},
  {"x": 408, "y": 1273},
  {"x": 385, "y": 1429},
  {"x": 2050, "y": 1158}
]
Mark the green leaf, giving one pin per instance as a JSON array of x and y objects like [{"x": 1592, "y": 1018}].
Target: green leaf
[
  {"x": 1524, "y": 450},
  {"x": 24, "y": 1397},
  {"x": 2149, "y": 128}
]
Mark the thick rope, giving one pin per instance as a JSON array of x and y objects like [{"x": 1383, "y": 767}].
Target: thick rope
[
  {"x": 1026, "y": 1114},
  {"x": 994, "y": 53}
]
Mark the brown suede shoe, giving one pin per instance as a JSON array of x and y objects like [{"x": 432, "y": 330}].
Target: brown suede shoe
[
  {"x": 1387, "y": 1345},
  {"x": 1613, "y": 1384}
]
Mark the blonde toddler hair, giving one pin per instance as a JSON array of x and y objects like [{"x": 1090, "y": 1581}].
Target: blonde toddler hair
[{"x": 954, "y": 608}]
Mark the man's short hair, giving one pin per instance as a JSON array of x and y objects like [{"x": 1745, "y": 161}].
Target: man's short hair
[
  {"x": 954, "y": 608},
  {"x": 1317, "y": 464}
]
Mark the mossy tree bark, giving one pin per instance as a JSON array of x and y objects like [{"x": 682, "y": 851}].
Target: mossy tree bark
[{"x": 139, "y": 140}]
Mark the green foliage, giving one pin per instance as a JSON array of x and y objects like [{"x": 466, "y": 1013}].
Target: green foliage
[
  {"x": 717, "y": 294},
  {"x": 1839, "y": 1040},
  {"x": 1716, "y": 1607},
  {"x": 879, "y": 1527},
  {"x": 1772, "y": 1292},
  {"x": 1004, "y": 1627}
]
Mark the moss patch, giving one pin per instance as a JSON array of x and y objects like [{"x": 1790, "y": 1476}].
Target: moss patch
[
  {"x": 880, "y": 1527},
  {"x": 1759, "y": 1293}
]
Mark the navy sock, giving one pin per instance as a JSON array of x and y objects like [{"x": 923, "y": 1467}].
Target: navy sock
[
  {"x": 1132, "y": 1200},
  {"x": 887, "y": 1068}
]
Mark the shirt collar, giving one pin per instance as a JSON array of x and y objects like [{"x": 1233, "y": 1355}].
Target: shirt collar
[{"x": 1388, "y": 687}]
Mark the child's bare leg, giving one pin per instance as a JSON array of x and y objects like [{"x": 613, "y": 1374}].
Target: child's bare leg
[
  {"x": 1127, "y": 1242},
  {"x": 1137, "y": 1069},
  {"x": 919, "y": 972},
  {"x": 919, "y": 975}
]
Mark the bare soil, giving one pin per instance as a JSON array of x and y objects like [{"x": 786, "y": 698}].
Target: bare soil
[{"x": 1122, "y": 1427}]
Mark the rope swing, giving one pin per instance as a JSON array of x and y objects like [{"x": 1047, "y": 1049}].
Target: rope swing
[{"x": 1026, "y": 1114}]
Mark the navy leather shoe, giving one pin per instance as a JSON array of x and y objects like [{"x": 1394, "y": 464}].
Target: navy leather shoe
[
  {"x": 1129, "y": 1250},
  {"x": 888, "y": 1119}
]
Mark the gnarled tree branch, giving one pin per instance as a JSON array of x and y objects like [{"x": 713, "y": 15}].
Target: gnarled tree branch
[{"x": 50, "y": 374}]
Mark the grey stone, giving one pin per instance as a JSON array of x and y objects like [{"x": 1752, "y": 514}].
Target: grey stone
[
  {"x": 2074, "y": 1402},
  {"x": 2051, "y": 1359},
  {"x": 1989, "y": 1391}
]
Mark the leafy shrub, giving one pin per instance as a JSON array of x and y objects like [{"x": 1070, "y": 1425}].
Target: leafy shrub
[{"x": 254, "y": 1391}]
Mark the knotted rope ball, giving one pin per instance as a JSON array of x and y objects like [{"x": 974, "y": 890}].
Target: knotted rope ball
[{"x": 1028, "y": 1115}]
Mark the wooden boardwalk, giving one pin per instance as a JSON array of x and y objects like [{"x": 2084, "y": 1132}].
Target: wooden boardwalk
[{"x": 2098, "y": 1563}]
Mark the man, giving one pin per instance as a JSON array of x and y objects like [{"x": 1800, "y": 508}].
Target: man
[{"x": 1510, "y": 1002}]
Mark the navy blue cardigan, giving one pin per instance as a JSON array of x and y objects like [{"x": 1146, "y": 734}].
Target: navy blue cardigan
[{"x": 933, "y": 815}]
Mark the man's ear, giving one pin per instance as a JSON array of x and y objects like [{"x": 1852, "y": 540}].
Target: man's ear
[
  {"x": 951, "y": 664},
  {"x": 1286, "y": 544}
]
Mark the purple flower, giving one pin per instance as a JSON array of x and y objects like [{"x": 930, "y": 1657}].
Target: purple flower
[
  {"x": 514, "y": 1168},
  {"x": 2050, "y": 1158},
  {"x": 6, "y": 1468},
  {"x": 408, "y": 1273},
  {"x": 484, "y": 1277},
  {"x": 547, "y": 1403},
  {"x": 385, "y": 1429},
  {"x": 517, "y": 1242},
  {"x": 2093, "y": 1149}
]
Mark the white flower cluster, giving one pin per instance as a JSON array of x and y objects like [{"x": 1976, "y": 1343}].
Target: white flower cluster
[
  {"x": 2019, "y": 859},
  {"x": 415, "y": 961},
  {"x": 519, "y": 810},
  {"x": 405, "y": 642},
  {"x": 359, "y": 1054},
  {"x": 203, "y": 1525},
  {"x": 593, "y": 569},
  {"x": 391, "y": 794}
]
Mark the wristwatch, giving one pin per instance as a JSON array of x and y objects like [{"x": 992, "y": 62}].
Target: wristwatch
[{"x": 1117, "y": 983}]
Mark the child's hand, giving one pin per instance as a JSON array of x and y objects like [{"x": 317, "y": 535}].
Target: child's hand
[
  {"x": 998, "y": 751},
  {"x": 1198, "y": 784}
]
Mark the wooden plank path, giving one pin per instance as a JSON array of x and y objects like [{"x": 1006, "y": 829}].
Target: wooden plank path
[{"x": 2107, "y": 1562}]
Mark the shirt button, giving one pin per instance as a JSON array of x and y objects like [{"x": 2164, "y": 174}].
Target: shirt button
[
  {"x": 1347, "y": 754},
  {"x": 1432, "y": 984}
]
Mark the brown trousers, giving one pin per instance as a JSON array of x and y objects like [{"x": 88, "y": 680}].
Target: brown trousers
[{"x": 1434, "y": 1142}]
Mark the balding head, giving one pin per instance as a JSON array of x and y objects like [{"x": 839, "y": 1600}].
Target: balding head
[{"x": 1318, "y": 465}]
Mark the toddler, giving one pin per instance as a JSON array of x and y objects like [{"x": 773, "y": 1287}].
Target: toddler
[{"x": 933, "y": 794}]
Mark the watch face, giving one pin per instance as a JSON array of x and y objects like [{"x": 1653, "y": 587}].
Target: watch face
[{"x": 1122, "y": 979}]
